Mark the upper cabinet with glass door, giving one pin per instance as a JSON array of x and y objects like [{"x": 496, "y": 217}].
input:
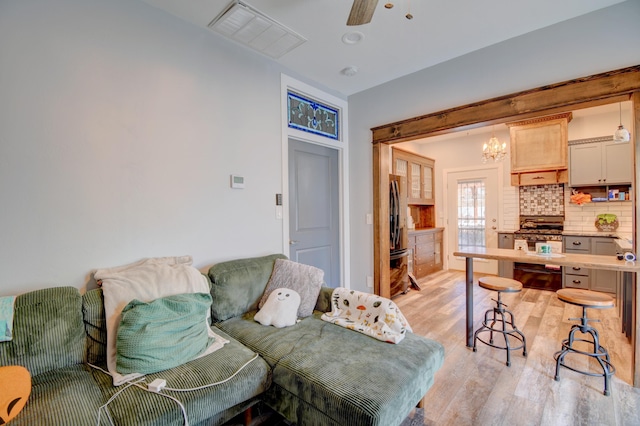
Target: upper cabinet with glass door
[{"x": 419, "y": 173}]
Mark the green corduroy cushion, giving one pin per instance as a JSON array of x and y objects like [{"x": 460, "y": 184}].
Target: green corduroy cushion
[
  {"x": 66, "y": 396},
  {"x": 209, "y": 405},
  {"x": 327, "y": 374},
  {"x": 162, "y": 334},
  {"x": 48, "y": 332},
  {"x": 95, "y": 325},
  {"x": 237, "y": 286}
]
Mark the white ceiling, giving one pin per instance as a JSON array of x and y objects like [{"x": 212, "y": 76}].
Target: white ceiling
[{"x": 392, "y": 46}]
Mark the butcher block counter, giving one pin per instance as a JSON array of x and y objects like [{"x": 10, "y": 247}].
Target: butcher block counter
[
  {"x": 562, "y": 259},
  {"x": 591, "y": 261}
]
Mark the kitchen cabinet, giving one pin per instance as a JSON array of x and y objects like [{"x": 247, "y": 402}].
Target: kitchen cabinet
[
  {"x": 600, "y": 161},
  {"x": 426, "y": 250},
  {"x": 590, "y": 279},
  {"x": 602, "y": 280},
  {"x": 505, "y": 267},
  {"x": 539, "y": 150},
  {"x": 419, "y": 173}
]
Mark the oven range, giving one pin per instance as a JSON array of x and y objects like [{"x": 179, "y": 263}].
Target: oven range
[{"x": 535, "y": 229}]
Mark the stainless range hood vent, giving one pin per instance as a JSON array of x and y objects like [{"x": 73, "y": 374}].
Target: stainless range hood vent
[{"x": 250, "y": 27}]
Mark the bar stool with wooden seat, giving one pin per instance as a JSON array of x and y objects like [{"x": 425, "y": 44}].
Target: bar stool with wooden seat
[
  {"x": 585, "y": 299},
  {"x": 501, "y": 321}
]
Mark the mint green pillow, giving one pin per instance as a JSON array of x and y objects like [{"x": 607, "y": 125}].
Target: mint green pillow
[{"x": 162, "y": 334}]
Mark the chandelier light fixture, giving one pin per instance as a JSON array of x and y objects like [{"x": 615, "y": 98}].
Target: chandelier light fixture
[
  {"x": 494, "y": 150},
  {"x": 621, "y": 134}
]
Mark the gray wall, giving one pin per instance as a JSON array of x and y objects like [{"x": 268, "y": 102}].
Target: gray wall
[
  {"x": 119, "y": 127},
  {"x": 600, "y": 41}
]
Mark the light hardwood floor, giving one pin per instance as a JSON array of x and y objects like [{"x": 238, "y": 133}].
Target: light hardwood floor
[{"x": 479, "y": 389}]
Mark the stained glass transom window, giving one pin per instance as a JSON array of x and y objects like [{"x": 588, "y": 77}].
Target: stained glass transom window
[{"x": 312, "y": 116}]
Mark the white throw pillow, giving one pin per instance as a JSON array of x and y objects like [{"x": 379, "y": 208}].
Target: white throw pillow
[{"x": 147, "y": 280}]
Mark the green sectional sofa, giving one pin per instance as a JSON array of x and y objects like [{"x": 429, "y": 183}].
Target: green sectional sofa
[{"x": 312, "y": 373}]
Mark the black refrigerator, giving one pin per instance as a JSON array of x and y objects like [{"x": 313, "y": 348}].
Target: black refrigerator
[{"x": 399, "y": 278}]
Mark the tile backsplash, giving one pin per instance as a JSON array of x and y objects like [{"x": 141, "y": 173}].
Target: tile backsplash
[
  {"x": 542, "y": 200},
  {"x": 553, "y": 200},
  {"x": 582, "y": 218}
]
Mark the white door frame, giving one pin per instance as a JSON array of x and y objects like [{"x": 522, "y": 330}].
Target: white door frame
[
  {"x": 445, "y": 173},
  {"x": 341, "y": 145}
]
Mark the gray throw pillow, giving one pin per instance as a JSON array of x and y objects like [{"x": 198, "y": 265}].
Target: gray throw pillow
[{"x": 304, "y": 279}]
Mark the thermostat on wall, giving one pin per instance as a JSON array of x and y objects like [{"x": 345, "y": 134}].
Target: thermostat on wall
[{"x": 237, "y": 181}]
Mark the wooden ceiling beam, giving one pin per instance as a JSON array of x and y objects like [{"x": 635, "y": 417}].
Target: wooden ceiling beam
[{"x": 569, "y": 95}]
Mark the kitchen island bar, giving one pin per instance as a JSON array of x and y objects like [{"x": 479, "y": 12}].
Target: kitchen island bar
[{"x": 629, "y": 269}]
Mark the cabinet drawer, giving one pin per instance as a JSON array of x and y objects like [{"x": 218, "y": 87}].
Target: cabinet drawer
[
  {"x": 424, "y": 256},
  {"x": 424, "y": 238},
  {"x": 576, "y": 270},
  {"x": 540, "y": 178},
  {"x": 576, "y": 281},
  {"x": 577, "y": 243},
  {"x": 425, "y": 269}
]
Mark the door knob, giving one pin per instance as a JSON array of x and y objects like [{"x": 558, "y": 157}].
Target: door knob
[
  {"x": 494, "y": 228},
  {"x": 293, "y": 242}
]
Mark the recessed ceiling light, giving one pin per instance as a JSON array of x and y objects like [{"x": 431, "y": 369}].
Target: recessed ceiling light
[
  {"x": 349, "y": 71},
  {"x": 352, "y": 37}
]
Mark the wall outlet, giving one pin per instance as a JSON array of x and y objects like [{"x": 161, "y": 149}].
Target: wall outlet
[{"x": 370, "y": 281}]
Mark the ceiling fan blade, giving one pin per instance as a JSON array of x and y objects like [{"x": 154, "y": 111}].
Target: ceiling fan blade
[{"x": 362, "y": 12}]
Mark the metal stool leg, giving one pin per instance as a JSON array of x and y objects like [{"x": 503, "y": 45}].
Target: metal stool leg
[
  {"x": 492, "y": 317},
  {"x": 599, "y": 352}
]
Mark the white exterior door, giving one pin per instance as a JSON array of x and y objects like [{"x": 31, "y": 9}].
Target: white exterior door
[{"x": 472, "y": 215}]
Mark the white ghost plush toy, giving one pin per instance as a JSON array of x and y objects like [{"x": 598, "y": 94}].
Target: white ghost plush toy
[{"x": 280, "y": 309}]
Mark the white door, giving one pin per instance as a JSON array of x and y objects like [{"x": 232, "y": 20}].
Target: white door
[
  {"x": 314, "y": 212},
  {"x": 472, "y": 215}
]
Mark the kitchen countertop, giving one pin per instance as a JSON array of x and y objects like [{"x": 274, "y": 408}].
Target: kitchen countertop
[
  {"x": 591, "y": 261},
  {"x": 410, "y": 231},
  {"x": 624, "y": 245},
  {"x": 577, "y": 234},
  {"x": 590, "y": 234}
]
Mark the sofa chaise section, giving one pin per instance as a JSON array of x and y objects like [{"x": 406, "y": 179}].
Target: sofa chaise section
[{"x": 324, "y": 374}]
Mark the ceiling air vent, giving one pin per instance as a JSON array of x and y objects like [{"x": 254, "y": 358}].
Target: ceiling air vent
[{"x": 248, "y": 26}]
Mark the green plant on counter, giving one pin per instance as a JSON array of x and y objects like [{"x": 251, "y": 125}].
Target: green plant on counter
[{"x": 606, "y": 218}]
